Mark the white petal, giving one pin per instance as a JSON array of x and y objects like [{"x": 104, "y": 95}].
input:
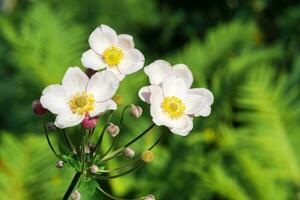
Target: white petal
[
  {"x": 116, "y": 72},
  {"x": 65, "y": 120},
  {"x": 55, "y": 99},
  {"x": 158, "y": 116},
  {"x": 174, "y": 86},
  {"x": 145, "y": 93},
  {"x": 125, "y": 41},
  {"x": 158, "y": 71},
  {"x": 103, "y": 85},
  {"x": 181, "y": 70},
  {"x": 132, "y": 62},
  {"x": 92, "y": 60},
  {"x": 101, "y": 38},
  {"x": 186, "y": 130},
  {"x": 193, "y": 103},
  {"x": 207, "y": 99},
  {"x": 74, "y": 81},
  {"x": 101, "y": 107},
  {"x": 205, "y": 93}
]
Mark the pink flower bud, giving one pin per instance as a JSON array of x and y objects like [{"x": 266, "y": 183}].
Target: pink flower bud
[
  {"x": 113, "y": 130},
  {"x": 37, "y": 108},
  {"x": 89, "y": 123},
  {"x": 59, "y": 164},
  {"x": 128, "y": 152},
  {"x": 94, "y": 169},
  {"x": 149, "y": 197},
  {"x": 75, "y": 195},
  {"x": 136, "y": 111}
]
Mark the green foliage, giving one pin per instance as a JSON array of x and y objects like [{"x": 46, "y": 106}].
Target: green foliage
[
  {"x": 248, "y": 148},
  {"x": 28, "y": 171}
]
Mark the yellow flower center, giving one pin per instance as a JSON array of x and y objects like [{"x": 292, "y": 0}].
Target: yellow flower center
[
  {"x": 173, "y": 106},
  {"x": 113, "y": 56},
  {"x": 82, "y": 103}
]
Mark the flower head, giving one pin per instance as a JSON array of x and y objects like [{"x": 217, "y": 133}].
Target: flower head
[
  {"x": 112, "y": 52},
  {"x": 174, "y": 104},
  {"x": 79, "y": 96},
  {"x": 159, "y": 70}
]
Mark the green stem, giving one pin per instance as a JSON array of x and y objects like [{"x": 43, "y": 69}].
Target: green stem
[
  {"x": 141, "y": 135},
  {"x": 72, "y": 186},
  {"x": 49, "y": 142}
]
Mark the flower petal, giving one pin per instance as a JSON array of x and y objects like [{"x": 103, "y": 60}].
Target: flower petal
[
  {"x": 101, "y": 38},
  {"x": 55, "y": 99},
  {"x": 117, "y": 73},
  {"x": 145, "y": 93},
  {"x": 205, "y": 99},
  {"x": 132, "y": 62},
  {"x": 186, "y": 130},
  {"x": 158, "y": 71},
  {"x": 181, "y": 70},
  {"x": 65, "y": 120},
  {"x": 158, "y": 116},
  {"x": 92, "y": 60},
  {"x": 194, "y": 103},
  {"x": 103, "y": 85},
  {"x": 101, "y": 107},
  {"x": 174, "y": 86},
  {"x": 74, "y": 81},
  {"x": 125, "y": 41}
]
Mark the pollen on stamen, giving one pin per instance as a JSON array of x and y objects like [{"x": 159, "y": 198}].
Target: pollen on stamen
[
  {"x": 173, "y": 107},
  {"x": 113, "y": 56},
  {"x": 82, "y": 103}
]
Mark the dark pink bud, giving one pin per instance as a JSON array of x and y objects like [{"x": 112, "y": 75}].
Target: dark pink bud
[
  {"x": 89, "y": 123},
  {"x": 90, "y": 72},
  {"x": 37, "y": 108}
]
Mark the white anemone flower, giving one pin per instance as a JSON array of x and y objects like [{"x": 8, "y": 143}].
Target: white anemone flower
[
  {"x": 159, "y": 70},
  {"x": 78, "y": 96},
  {"x": 112, "y": 52},
  {"x": 173, "y": 104}
]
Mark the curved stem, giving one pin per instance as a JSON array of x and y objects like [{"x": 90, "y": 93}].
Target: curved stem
[
  {"x": 161, "y": 137},
  {"x": 72, "y": 186},
  {"x": 113, "y": 197},
  {"x": 49, "y": 142},
  {"x": 122, "y": 115},
  {"x": 141, "y": 135}
]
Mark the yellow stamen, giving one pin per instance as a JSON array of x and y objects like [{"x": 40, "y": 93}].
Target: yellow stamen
[
  {"x": 113, "y": 56},
  {"x": 82, "y": 103},
  {"x": 173, "y": 106}
]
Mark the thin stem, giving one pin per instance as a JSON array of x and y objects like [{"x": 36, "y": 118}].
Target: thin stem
[
  {"x": 69, "y": 142},
  {"x": 49, "y": 142},
  {"x": 128, "y": 164},
  {"x": 99, "y": 142},
  {"x": 72, "y": 186},
  {"x": 120, "y": 150},
  {"x": 141, "y": 135},
  {"x": 113, "y": 197},
  {"x": 111, "y": 146},
  {"x": 123, "y": 114},
  {"x": 82, "y": 149},
  {"x": 139, "y": 164},
  {"x": 162, "y": 136}
]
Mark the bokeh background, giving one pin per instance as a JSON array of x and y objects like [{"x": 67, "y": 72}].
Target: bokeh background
[{"x": 245, "y": 52}]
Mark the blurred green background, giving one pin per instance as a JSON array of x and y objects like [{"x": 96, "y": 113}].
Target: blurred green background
[{"x": 245, "y": 52}]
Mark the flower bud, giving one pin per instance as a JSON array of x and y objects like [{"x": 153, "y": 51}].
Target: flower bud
[
  {"x": 136, "y": 111},
  {"x": 94, "y": 169},
  {"x": 59, "y": 164},
  {"x": 129, "y": 152},
  {"x": 147, "y": 156},
  {"x": 118, "y": 99},
  {"x": 89, "y": 123},
  {"x": 87, "y": 149},
  {"x": 90, "y": 72},
  {"x": 37, "y": 108},
  {"x": 113, "y": 130},
  {"x": 91, "y": 147},
  {"x": 75, "y": 195},
  {"x": 51, "y": 126},
  {"x": 149, "y": 197}
]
